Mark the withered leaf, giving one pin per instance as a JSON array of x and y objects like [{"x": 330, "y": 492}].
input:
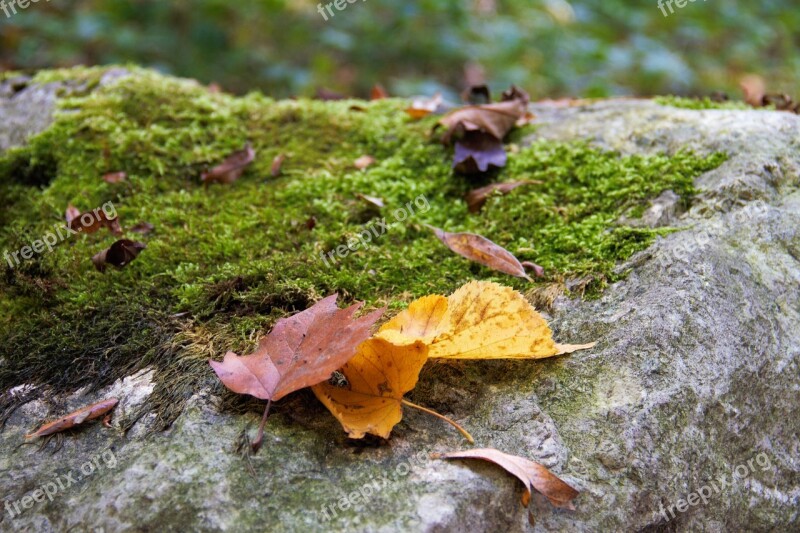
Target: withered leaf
[
  {"x": 378, "y": 92},
  {"x": 118, "y": 254},
  {"x": 515, "y": 93},
  {"x": 371, "y": 200},
  {"x": 115, "y": 177},
  {"x": 537, "y": 270},
  {"x": 91, "y": 222},
  {"x": 476, "y": 94},
  {"x": 754, "y": 89},
  {"x": 533, "y": 475},
  {"x": 476, "y": 198},
  {"x": 476, "y": 150},
  {"x": 422, "y": 107},
  {"x": 142, "y": 228},
  {"x": 90, "y": 412},
  {"x": 232, "y": 168},
  {"x": 363, "y": 162},
  {"x": 495, "y": 119},
  {"x": 300, "y": 351},
  {"x": 277, "y": 163},
  {"x": 481, "y": 250}
]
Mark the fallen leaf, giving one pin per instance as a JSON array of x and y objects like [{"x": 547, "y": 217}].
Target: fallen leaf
[
  {"x": 277, "y": 163},
  {"x": 421, "y": 321},
  {"x": 422, "y": 107},
  {"x": 115, "y": 177},
  {"x": 118, "y": 254},
  {"x": 328, "y": 95},
  {"x": 229, "y": 170},
  {"x": 96, "y": 410},
  {"x": 533, "y": 475},
  {"x": 91, "y": 222},
  {"x": 143, "y": 228},
  {"x": 476, "y": 150},
  {"x": 377, "y": 378},
  {"x": 754, "y": 89},
  {"x": 481, "y": 250},
  {"x": 476, "y": 198},
  {"x": 515, "y": 93},
  {"x": 371, "y": 200},
  {"x": 378, "y": 92},
  {"x": 537, "y": 270},
  {"x": 71, "y": 214},
  {"x": 495, "y": 119},
  {"x": 476, "y": 94},
  {"x": 311, "y": 223},
  {"x": 363, "y": 162},
  {"x": 300, "y": 351}
]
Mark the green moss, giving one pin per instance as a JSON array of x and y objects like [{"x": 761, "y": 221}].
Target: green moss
[
  {"x": 226, "y": 261},
  {"x": 700, "y": 103}
]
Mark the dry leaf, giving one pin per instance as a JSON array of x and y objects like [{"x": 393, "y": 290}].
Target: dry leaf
[
  {"x": 143, "y": 228},
  {"x": 115, "y": 177},
  {"x": 229, "y": 170},
  {"x": 481, "y": 250},
  {"x": 495, "y": 119},
  {"x": 91, "y": 222},
  {"x": 328, "y": 95},
  {"x": 377, "y": 378},
  {"x": 277, "y": 163},
  {"x": 515, "y": 93},
  {"x": 477, "y": 197},
  {"x": 118, "y": 254},
  {"x": 754, "y": 89},
  {"x": 537, "y": 270},
  {"x": 96, "y": 410},
  {"x": 481, "y": 320},
  {"x": 378, "y": 92},
  {"x": 363, "y": 162},
  {"x": 71, "y": 214},
  {"x": 476, "y": 150},
  {"x": 533, "y": 475},
  {"x": 476, "y": 94},
  {"x": 371, "y": 200},
  {"x": 422, "y": 107}
]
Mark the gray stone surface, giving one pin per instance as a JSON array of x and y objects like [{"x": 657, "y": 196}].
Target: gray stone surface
[{"x": 691, "y": 392}]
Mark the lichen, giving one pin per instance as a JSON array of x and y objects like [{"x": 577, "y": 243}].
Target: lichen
[{"x": 226, "y": 261}]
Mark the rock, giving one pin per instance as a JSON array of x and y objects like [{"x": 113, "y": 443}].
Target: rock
[{"x": 685, "y": 417}]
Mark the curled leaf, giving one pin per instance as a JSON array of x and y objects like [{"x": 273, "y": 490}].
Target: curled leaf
[
  {"x": 229, "y": 170},
  {"x": 476, "y": 198},
  {"x": 363, "y": 162},
  {"x": 115, "y": 177},
  {"x": 118, "y": 254},
  {"x": 378, "y": 92},
  {"x": 481, "y": 250},
  {"x": 476, "y": 150},
  {"x": 277, "y": 163},
  {"x": 422, "y": 107},
  {"x": 371, "y": 200},
  {"x": 495, "y": 119},
  {"x": 538, "y": 271},
  {"x": 91, "y": 222},
  {"x": 90, "y": 412}
]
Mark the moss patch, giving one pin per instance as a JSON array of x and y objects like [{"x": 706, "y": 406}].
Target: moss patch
[
  {"x": 702, "y": 103},
  {"x": 224, "y": 262}
]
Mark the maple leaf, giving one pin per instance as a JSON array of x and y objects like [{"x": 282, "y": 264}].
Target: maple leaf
[
  {"x": 300, "y": 351},
  {"x": 378, "y": 377},
  {"x": 481, "y": 250},
  {"x": 90, "y": 412},
  {"x": 481, "y": 320},
  {"x": 533, "y": 475}
]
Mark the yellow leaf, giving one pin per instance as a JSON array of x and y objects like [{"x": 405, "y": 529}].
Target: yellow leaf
[
  {"x": 421, "y": 321},
  {"x": 486, "y": 320},
  {"x": 378, "y": 376}
]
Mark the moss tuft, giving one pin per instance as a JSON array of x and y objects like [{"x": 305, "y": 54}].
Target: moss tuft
[{"x": 701, "y": 103}]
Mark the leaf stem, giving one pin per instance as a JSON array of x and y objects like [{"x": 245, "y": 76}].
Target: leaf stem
[
  {"x": 437, "y": 415},
  {"x": 256, "y": 444}
]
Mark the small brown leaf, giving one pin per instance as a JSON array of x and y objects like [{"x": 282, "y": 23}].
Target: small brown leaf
[
  {"x": 277, "y": 163},
  {"x": 364, "y": 161},
  {"x": 378, "y": 92},
  {"x": 476, "y": 95},
  {"x": 422, "y": 107},
  {"x": 71, "y": 214},
  {"x": 494, "y": 119},
  {"x": 311, "y": 223},
  {"x": 230, "y": 169},
  {"x": 481, "y": 250},
  {"x": 754, "y": 89},
  {"x": 477, "y": 197},
  {"x": 533, "y": 475},
  {"x": 476, "y": 151},
  {"x": 142, "y": 228},
  {"x": 537, "y": 270},
  {"x": 515, "y": 93},
  {"x": 371, "y": 200},
  {"x": 91, "y": 222},
  {"x": 115, "y": 177},
  {"x": 96, "y": 410},
  {"x": 118, "y": 254}
]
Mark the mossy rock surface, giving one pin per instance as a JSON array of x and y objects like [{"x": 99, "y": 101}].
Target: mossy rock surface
[{"x": 656, "y": 226}]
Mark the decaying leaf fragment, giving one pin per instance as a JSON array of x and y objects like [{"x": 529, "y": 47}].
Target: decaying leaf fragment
[
  {"x": 364, "y": 161},
  {"x": 115, "y": 177},
  {"x": 277, "y": 164},
  {"x": 118, "y": 254},
  {"x": 481, "y": 320},
  {"x": 91, "y": 222},
  {"x": 422, "y": 107},
  {"x": 495, "y": 119},
  {"x": 481, "y": 250},
  {"x": 533, "y": 475},
  {"x": 476, "y": 151},
  {"x": 300, "y": 351},
  {"x": 90, "y": 412},
  {"x": 229, "y": 170},
  {"x": 476, "y": 198}
]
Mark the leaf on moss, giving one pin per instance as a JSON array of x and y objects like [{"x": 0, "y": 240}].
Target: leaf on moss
[
  {"x": 422, "y": 320},
  {"x": 115, "y": 177},
  {"x": 476, "y": 151},
  {"x": 495, "y": 119},
  {"x": 90, "y": 412},
  {"x": 476, "y": 198},
  {"x": 533, "y": 475},
  {"x": 277, "y": 165},
  {"x": 232, "y": 168},
  {"x": 118, "y": 254},
  {"x": 142, "y": 228},
  {"x": 422, "y": 107},
  {"x": 363, "y": 162},
  {"x": 91, "y": 222},
  {"x": 481, "y": 250},
  {"x": 378, "y": 92}
]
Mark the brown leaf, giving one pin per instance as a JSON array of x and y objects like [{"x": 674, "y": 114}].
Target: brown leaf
[
  {"x": 476, "y": 151},
  {"x": 537, "y": 270},
  {"x": 229, "y": 170},
  {"x": 91, "y": 222},
  {"x": 476, "y": 94},
  {"x": 481, "y": 250},
  {"x": 477, "y": 197},
  {"x": 422, "y": 107},
  {"x": 495, "y": 119},
  {"x": 378, "y": 92},
  {"x": 371, "y": 200},
  {"x": 533, "y": 475},
  {"x": 754, "y": 88},
  {"x": 301, "y": 351},
  {"x": 96, "y": 410},
  {"x": 277, "y": 163},
  {"x": 115, "y": 177},
  {"x": 328, "y": 95},
  {"x": 143, "y": 228},
  {"x": 118, "y": 254},
  {"x": 311, "y": 223},
  {"x": 364, "y": 161},
  {"x": 515, "y": 93}
]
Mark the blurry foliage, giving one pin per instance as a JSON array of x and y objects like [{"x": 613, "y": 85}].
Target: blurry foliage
[{"x": 551, "y": 47}]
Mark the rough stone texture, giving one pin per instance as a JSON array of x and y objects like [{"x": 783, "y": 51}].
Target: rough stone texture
[{"x": 695, "y": 379}]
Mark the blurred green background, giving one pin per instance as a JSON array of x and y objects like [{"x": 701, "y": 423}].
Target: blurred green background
[{"x": 553, "y": 48}]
